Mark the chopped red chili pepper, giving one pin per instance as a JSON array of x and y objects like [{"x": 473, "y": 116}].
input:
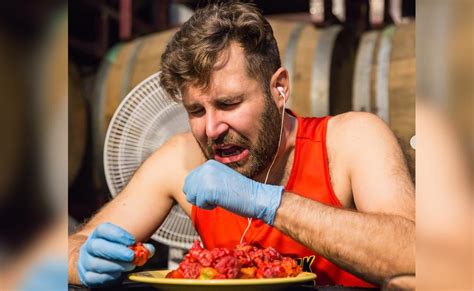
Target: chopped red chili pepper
[
  {"x": 141, "y": 254},
  {"x": 244, "y": 261}
]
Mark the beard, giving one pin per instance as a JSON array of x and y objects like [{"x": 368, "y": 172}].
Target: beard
[{"x": 261, "y": 151}]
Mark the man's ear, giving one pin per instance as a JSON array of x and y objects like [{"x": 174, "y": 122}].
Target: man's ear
[{"x": 280, "y": 86}]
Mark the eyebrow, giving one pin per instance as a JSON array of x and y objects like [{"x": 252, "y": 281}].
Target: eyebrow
[
  {"x": 229, "y": 98},
  {"x": 191, "y": 106},
  {"x": 221, "y": 99}
]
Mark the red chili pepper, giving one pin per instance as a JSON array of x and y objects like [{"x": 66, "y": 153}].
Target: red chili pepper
[
  {"x": 141, "y": 254},
  {"x": 244, "y": 261}
]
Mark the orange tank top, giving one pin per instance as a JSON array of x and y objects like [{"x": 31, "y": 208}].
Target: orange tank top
[{"x": 309, "y": 178}]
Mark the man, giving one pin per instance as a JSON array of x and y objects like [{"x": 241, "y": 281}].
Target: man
[{"x": 334, "y": 193}]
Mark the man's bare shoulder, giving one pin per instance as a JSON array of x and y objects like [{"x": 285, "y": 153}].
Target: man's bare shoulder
[
  {"x": 369, "y": 153},
  {"x": 355, "y": 124},
  {"x": 356, "y": 131},
  {"x": 180, "y": 152},
  {"x": 344, "y": 139}
]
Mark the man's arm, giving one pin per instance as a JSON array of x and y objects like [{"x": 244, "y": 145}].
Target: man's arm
[
  {"x": 144, "y": 203},
  {"x": 378, "y": 240},
  {"x": 371, "y": 246},
  {"x": 74, "y": 243}
]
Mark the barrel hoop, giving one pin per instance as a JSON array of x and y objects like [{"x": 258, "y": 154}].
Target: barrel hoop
[
  {"x": 363, "y": 68},
  {"x": 321, "y": 71},
  {"x": 126, "y": 85},
  {"x": 290, "y": 53},
  {"x": 113, "y": 52},
  {"x": 382, "y": 101}
]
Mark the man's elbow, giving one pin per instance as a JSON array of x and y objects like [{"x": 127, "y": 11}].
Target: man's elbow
[{"x": 404, "y": 260}]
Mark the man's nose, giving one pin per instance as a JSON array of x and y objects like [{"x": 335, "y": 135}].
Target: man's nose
[{"x": 215, "y": 126}]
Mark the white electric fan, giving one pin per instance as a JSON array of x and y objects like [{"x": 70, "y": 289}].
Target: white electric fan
[{"x": 144, "y": 120}]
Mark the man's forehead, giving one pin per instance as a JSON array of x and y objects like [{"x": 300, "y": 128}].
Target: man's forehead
[{"x": 228, "y": 76}]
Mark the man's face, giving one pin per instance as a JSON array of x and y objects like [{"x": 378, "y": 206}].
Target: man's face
[{"x": 233, "y": 121}]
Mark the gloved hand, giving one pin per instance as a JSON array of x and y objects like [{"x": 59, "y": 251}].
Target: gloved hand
[
  {"x": 49, "y": 273},
  {"x": 214, "y": 184},
  {"x": 105, "y": 255}
]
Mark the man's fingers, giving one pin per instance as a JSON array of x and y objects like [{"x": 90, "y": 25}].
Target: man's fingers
[
  {"x": 191, "y": 199},
  {"x": 97, "y": 279},
  {"x": 188, "y": 189},
  {"x": 203, "y": 202},
  {"x": 99, "y": 265},
  {"x": 150, "y": 248},
  {"x": 108, "y": 250},
  {"x": 113, "y": 233}
]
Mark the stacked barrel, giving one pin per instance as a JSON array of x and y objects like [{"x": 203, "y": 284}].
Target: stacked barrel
[
  {"x": 319, "y": 62},
  {"x": 78, "y": 123},
  {"x": 384, "y": 81}
]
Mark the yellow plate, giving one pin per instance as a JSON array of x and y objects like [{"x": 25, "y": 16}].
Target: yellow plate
[{"x": 158, "y": 280}]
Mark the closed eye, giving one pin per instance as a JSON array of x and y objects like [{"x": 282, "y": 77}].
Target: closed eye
[
  {"x": 228, "y": 105},
  {"x": 195, "y": 111}
]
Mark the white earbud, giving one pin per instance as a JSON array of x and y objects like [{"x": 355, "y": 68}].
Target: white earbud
[{"x": 282, "y": 92}]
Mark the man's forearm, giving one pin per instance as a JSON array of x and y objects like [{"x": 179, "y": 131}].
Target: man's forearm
[
  {"x": 371, "y": 246},
  {"x": 75, "y": 243}
]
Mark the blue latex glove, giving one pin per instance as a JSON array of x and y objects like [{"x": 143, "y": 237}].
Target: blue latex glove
[
  {"x": 105, "y": 255},
  {"x": 214, "y": 184},
  {"x": 48, "y": 274}
]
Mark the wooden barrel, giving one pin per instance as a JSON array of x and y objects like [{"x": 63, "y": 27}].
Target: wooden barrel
[
  {"x": 385, "y": 81},
  {"x": 14, "y": 108},
  {"x": 125, "y": 65},
  {"x": 78, "y": 122},
  {"x": 320, "y": 62}
]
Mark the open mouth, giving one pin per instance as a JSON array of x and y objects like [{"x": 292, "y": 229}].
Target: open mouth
[{"x": 230, "y": 153}]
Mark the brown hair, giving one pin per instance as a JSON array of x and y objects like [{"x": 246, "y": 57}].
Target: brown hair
[{"x": 191, "y": 54}]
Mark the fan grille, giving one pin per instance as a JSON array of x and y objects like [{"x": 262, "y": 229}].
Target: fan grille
[{"x": 144, "y": 120}]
